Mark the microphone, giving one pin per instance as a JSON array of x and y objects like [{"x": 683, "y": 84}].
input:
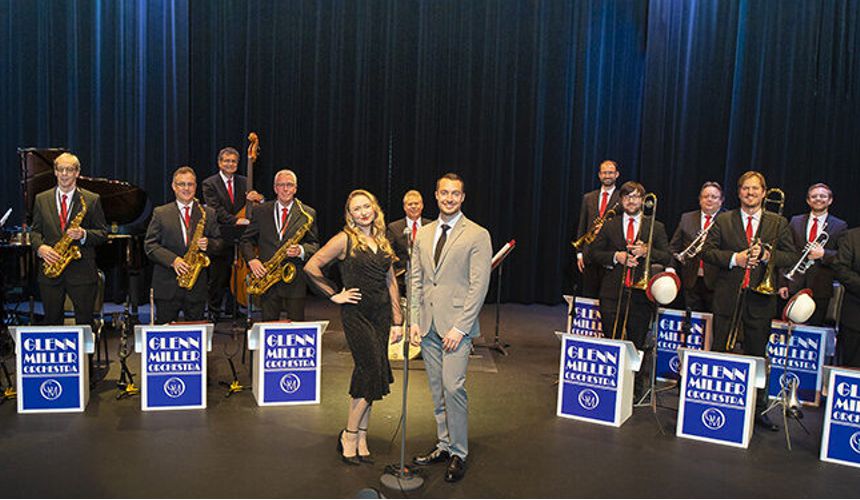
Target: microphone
[{"x": 407, "y": 231}]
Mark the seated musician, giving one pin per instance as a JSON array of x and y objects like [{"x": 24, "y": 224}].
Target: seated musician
[
  {"x": 174, "y": 241},
  {"x": 274, "y": 224},
  {"x": 75, "y": 214}
]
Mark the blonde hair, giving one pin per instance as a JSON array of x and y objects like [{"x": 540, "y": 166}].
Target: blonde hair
[{"x": 377, "y": 229}]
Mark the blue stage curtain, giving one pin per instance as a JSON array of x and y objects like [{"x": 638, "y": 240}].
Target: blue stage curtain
[{"x": 523, "y": 98}]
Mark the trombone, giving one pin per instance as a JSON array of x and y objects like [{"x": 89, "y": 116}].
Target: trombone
[
  {"x": 649, "y": 204},
  {"x": 755, "y": 250}
]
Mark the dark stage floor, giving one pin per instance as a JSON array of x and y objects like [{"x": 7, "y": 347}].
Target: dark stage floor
[{"x": 519, "y": 448}]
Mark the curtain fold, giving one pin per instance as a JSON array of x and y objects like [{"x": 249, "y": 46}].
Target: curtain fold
[{"x": 522, "y": 98}]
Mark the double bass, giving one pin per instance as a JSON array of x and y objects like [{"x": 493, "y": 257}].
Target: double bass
[{"x": 240, "y": 268}]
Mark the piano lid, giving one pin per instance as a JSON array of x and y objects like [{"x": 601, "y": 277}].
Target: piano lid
[{"x": 125, "y": 205}]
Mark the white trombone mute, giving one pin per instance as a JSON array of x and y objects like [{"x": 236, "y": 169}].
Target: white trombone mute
[
  {"x": 663, "y": 288},
  {"x": 799, "y": 308}
]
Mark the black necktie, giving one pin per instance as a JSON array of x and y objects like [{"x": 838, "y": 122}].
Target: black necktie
[{"x": 440, "y": 244}]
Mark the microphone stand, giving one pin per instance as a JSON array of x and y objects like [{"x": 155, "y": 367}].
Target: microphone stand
[
  {"x": 787, "y": 397},
  {"x": 235, "y": 386},
  {"x": 125, "y": 384},
  {"x": 403, "y": 479}
]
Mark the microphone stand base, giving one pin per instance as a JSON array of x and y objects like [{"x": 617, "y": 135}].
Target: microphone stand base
[{"x": 401, "y": 480}]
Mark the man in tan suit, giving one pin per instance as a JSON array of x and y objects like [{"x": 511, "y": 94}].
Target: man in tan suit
[{"x": 449, "y": 280}]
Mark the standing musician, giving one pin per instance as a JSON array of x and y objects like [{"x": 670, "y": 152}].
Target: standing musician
[
  {"x": 621, "y": 246},
  {"x": 56, "y": 224},
  {"x": 847, "y": 267},
  {"x": 736, "y": 245},
  {"x": 594, "y": 205},
  {"x": 696, "y": 276},
  {"x": 413, "y": 206},
  {"x": 273, "y": 224},
  {"x": 225, "y": 192},
  {"x": 172, "y": 239},
  {"x": 806, "y": 228}
]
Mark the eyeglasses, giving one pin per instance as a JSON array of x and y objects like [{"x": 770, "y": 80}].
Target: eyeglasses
[
  {"x": 185, "y": 184},
  {"x": 285, "y": 184},
  {"x": 632, "y": 196},
  {"x": 66, "y": 170}
]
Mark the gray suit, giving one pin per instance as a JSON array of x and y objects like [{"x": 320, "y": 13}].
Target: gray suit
[{"x": 445, "y": 296}]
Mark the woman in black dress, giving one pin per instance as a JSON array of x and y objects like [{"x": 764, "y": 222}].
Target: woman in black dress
[{"x": 370, "y": 311}]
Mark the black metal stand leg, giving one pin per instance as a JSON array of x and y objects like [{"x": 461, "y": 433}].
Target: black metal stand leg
[{"x": 498, "y": 345}]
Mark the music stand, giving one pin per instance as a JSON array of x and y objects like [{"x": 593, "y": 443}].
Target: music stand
[
  {"x": 787, "y": 397},
  {"x": 497, "y": 262}
]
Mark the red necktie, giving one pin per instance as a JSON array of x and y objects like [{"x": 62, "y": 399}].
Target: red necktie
[
  {"x": 414, "y": 230},
  {"x": 813, "y": 231},
  {"x": 187, "y": 222},
  {"x": 230, "y": 190},
  {"x": 707, "y": 223},
  {"x": 603, "y": 201},
  {"x": 284, "y": 212},
  {"x": 64, "y": 213},
  {"x": 749, "y": 240},
  {"x": 631, "y": 234}
]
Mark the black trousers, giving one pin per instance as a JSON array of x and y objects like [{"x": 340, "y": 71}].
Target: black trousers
[
  {"x": 273, "y": 303},
  {"x": 54, "y": 297},
  {"x": 220, "y": 268},
  {"x": 638, "y": 317},
  {"x": 191, "y": 304},
  {"x": 848, "y": 347},
  {"x": 699, "y": 298},
  {"x": 590, "y": 280}
]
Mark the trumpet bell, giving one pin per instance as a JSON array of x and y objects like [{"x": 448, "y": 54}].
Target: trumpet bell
[{"x": 800, "y": 307}]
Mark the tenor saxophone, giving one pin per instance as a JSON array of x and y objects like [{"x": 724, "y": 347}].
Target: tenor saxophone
[
  {"x": 276, "y": 270},
  {"x": 66, "y": 247},
  {"x": 194, "y": 257}
]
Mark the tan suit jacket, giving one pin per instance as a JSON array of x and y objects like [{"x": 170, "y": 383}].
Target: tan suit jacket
[{"x": 452, "y": 293}]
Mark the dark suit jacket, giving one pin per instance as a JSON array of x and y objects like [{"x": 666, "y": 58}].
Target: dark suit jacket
[
  {"x": 820, "y": 276},
  {"x": 261, "y": 240},
  {"x": 847, "y": 268},
  {"x": 590, "y": 209},
  {"x": 612, "y": 238},
  {"x": 687, "y": 230},
  {"x": 728, "y": 236},
  {"x": 45, "y": 230},
  {"x": 400, "y": 243},
  {"x": 164, "y": 242},
  {"x": 215, "y": 196}
]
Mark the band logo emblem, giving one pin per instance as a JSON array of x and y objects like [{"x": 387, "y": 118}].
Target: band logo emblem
[
  {"x": 51, "y": 389},
  {"x": 713, "y": 419},
  {"x": 588, "y": 399},
  {"x": 290, "y": 383},
  {"x": 174, "y": 387}
]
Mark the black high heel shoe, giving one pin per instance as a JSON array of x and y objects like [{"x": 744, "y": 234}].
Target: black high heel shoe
[
  {"x": 353, "y": 460},
  {"x": 367, "y": 459}
]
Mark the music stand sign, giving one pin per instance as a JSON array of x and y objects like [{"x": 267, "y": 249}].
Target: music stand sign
[
  {"x": 718, "y": 396},
  {"x": 840, "y": 440},
  {"x": 669, "y": 325},
  {"x": 583, "y": 316},
  {"x": 596, "y": 379},
  {"x": 173, "y": 365},
  {"x": 52, "y": 368},
  {"x": 288, "y": 368},
  {"x": 806, "y": 353}
]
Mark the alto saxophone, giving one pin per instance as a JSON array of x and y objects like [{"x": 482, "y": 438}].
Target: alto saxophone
[
  {"x": 590, "y": 235},
  {"x": 66, "y": 247},
  {"x": 275, "y": 269},
  {"x": 194, "y": 257}
]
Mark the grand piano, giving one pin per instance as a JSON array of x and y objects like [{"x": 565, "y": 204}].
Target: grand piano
[{"x": 127, "y": 210}]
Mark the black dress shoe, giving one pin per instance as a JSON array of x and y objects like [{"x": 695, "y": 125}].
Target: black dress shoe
[
  {"x": 456, "y": 469},
  {"x": 434, "y": 457},
  {"x": 765, "y": 422}
]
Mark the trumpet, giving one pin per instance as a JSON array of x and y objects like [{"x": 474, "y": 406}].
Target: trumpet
[
  {"x": 649, "y": 204},
  {"x": 805, "y": 263},
  {"x": 596, "y": 225},
  {"x": 694, "y": 248},
  {"x": 766, "y": 286}
]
